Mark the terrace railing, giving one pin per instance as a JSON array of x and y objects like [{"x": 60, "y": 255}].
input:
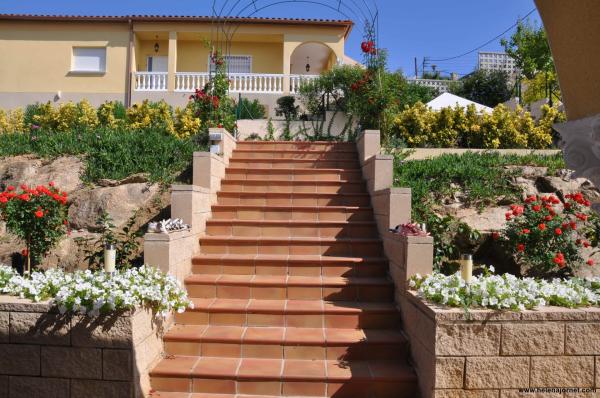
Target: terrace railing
[
  {"x": 249, "y": 83},
  {"x": 151, "y": 81}
]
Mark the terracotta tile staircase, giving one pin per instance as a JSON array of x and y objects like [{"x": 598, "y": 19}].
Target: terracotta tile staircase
[{"x": 291, "y": 291}]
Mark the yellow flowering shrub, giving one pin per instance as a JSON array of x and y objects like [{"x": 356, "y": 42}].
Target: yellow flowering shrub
[
  {"x": 112, "y": 114},
  {"x": 66, "y": 116},
  {"x": 12, "y": 121},
  {"x": 46, "y": 116},
  {"x": 419, "y": 126},
  {"x": 500, "y": 129},
  {"x": 151, "y": 115},
  {"x": 186, "y": 122},
  {"x": 87, "y": 117}
]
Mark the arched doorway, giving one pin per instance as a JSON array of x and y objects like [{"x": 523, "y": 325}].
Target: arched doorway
[{"x": 311, "y": 59}]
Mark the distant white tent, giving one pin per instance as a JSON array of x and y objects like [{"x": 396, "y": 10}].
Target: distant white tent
[{"x": 447, "y": 100}]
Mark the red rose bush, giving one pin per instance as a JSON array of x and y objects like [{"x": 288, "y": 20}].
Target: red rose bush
[
  {"x": 37, "y": 216},
  {"x": 545, "y": 235}
]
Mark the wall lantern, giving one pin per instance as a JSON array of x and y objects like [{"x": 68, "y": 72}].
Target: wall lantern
[
  {"x": 156, "y": 46},
  {"x": 308, "y": 64}
]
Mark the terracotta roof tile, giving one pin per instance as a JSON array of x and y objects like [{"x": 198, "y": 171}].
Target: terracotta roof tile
[{"x": 168, "y": 18}]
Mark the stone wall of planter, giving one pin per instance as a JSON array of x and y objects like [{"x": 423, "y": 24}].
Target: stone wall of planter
[
  {"x": 486, "y": 353},
  {"x": 46, "y": 354}
]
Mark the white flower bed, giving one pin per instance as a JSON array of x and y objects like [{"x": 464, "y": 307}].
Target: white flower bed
[
  {"x": 506, "y": 291},
  {"x": 94, "y": 293}
]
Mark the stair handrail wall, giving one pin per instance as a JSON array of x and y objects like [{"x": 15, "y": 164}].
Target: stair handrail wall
[
  {"x": 407, "y": 255},
  {"x": 173, "y": 252}
]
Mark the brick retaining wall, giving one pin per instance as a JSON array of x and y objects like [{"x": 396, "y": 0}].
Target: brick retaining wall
[
  {"x": 493, "y": 354},
  {"x": 46, "y": 354}
]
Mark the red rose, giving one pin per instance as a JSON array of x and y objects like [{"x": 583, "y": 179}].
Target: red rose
[
  {"x": 521, "y": 247},
  {"x": 548, "y": 218},
  {"x": 10, "y": 188},
  {"x": 51, "y": 183},
  {"x": 24, "y": 197},
  {"x": 495, "y": 235},
  {"x": 24, "y": 252},
  {"x": 590, "y": 262},
  {"x": 531, "y": 199},
  {"x": 508, "y": 216},
  {"x": 542, "y": 227},
  {"x": 39, "y": 213},
  {"x": 567, "y": 206},
  {"x": 525, "y": 231},
  {"x": 559, "y": 260},
  {"x": 537, "y": 208},
  {"x": 558, "y": 231},
  {"x": 586, "y": 244},
  {"x": 3, "y": 199},
  {"x": 573, "y": 225}
]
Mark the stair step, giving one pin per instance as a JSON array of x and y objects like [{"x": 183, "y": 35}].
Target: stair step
[
  {"x": 298, "y": 163},
  {"x": 352, "y": 247},
  {"x": 290, "y": 313},
  {"x": 306, "y": 213},
  {"x": 162, "y": 394},
  {"x": 289, "y": 343},
  {"x": 298, "y": 146},
  {"x": 265, "y": 287},
  {"x": 289, "y": 377},
  {"x": 290, "y": 174},
  {"x": 232, "y": 264},
  {"x": 279, "y": 185},
  {"x": 293, "y": 154},
  {"x": 293, "y": 199},
  {"x": 292, "y": 228}
]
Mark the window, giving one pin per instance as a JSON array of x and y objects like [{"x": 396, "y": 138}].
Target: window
[
  {"x": 89, "y": 59},
  {"x": 236, "y": 64}
]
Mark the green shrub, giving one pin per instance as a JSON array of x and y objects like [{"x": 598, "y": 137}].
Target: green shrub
[
  {"x": 251, "y": 109},
  {"x": 286, "y": 107},
  {"x": 113, "y": 154}
]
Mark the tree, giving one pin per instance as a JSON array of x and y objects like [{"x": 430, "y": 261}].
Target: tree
[
  {"x": 489, "y": 88},
  {"x": 529, "y": 47}
]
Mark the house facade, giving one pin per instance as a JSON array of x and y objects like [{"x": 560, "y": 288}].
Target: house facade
[{"x": 131, "y": 58}]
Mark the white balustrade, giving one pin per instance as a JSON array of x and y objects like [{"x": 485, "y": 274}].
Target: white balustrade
[
  {"x": 257, "y": 83},
  {"x": 296, "y": 81},
  {"x": 151, "y": 81},
  {"x": 190, "y": 82}
]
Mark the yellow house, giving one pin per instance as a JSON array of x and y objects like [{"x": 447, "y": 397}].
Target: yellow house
[{"x": 136, "y": 57}]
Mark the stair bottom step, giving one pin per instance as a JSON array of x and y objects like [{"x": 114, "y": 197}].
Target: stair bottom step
[{"x": 284, "y": 377}]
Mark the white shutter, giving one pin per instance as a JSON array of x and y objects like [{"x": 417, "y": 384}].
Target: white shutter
[{"x": 89, "y": 59}]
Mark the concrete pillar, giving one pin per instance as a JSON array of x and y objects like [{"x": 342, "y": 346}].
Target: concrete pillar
[
  {"x": 172, "y": 61},
  {"x": 288, "y": 49}
]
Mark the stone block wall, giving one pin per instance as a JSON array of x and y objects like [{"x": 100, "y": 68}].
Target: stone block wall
[
  {"x": 391, "y": 206},
  {"x": 488, "y": 353},
  {"x": 46, "y": 354}
]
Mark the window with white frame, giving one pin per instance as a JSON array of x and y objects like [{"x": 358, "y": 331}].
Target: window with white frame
[
  {"x": 89, "y": 59},
  {"x": 235, "y": 63}
]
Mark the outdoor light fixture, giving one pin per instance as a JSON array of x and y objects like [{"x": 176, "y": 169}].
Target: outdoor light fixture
[
  {"x": 156, "y": 46},
  {"x": 466, "y": 267},
  {"x": 308, "y": 64}
]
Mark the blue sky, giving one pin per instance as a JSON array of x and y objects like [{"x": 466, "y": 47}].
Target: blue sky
[{"x": 436, "y": 28}]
